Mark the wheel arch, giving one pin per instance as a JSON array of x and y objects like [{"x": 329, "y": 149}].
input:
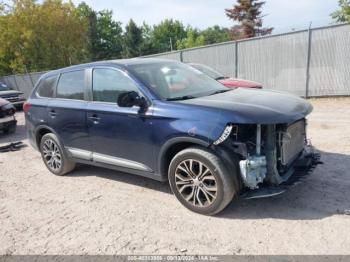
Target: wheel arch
[
  {"x": 40, "y": 131},
  {"x": 172, "y": 147}
]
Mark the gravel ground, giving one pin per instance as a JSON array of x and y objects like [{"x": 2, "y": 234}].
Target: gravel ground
[{"x": 98, "y": 211}]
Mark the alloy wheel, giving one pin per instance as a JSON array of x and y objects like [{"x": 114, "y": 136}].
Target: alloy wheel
[
  {"x": 196, "y": 183},
  {"x": 52, "y": 155}
]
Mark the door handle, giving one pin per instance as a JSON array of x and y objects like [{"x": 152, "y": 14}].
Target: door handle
[
  {"x": 94, "y": 118},
  {"x": 52, "y": 113}
]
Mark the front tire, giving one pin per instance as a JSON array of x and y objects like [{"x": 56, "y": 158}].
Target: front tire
[
  {"x": 54, "y": 155},
  {"x": 200, "y": 181}
]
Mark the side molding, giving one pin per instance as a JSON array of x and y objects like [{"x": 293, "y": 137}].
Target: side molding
[
  {"x": 106, "y": 159},
  {"x": 79, "y": 153},
  {"x": 115, "y": 161}
]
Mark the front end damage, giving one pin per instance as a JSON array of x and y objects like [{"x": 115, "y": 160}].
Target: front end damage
[{"x": 271, "y": 157}]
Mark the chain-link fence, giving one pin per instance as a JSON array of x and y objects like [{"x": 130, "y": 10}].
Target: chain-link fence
[
  {"x": 23, "y": 83},
  {"x": 309, "y": 63}
]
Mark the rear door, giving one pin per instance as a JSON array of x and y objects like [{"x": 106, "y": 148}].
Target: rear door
[{"x": 67, "y": 112}]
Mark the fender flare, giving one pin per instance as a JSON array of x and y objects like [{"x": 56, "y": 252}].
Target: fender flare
[
  {"x": 40, "y": 127},
  {"x": 171, "y": 142}
]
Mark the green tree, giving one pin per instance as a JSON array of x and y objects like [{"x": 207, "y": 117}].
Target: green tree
[
  {"x": 132, "y": 40},
  {"x": 166, "y": 33},
  {"x": 89, "y": 17},
  {"x": 105, "y": 39},
  {"x": 40, "y": 36},
  {"x": 147, "y": 45},
  {"x": 193, "y": 39},
  {"x": 342, "y": 15},
  {"x": 248, "y": 14},
  {"x": 216, "y": 34},
  {"x": 110, "y": 38}
]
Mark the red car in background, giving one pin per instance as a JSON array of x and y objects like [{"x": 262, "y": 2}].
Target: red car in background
[{"x": 226, "y": 81}]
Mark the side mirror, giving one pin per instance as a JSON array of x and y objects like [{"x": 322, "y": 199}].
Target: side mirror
[{"x": 130, "y": 99}]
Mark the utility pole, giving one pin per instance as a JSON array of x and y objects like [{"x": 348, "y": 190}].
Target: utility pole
[
  {"x": 171, "y": 44},
  {"x": 25, "y": 66},
  {"x": 307, "y": 81}
]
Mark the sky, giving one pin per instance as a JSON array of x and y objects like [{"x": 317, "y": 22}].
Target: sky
[{"x": 283, "y": 15}]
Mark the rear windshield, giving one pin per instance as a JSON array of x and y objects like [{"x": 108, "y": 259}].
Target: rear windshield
[{"x": 4, "y": 87}]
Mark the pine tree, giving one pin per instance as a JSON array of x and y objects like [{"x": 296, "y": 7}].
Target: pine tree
[
  {"x": 132, "y": 40},
  {"x": 248, "y": 14}
]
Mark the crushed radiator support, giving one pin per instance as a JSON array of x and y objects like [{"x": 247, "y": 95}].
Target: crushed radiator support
[{"x": 302, "y": 170}]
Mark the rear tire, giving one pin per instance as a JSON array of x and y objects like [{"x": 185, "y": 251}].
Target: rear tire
[
  {"x": 54, "y": 155},
  {"x": 200, "y": 181}
]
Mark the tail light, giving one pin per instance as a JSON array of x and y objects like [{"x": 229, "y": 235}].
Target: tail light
[{"x": 26, "y": 107}]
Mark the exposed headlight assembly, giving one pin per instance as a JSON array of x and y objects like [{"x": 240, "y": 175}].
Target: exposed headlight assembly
[{"x": 224, "y": 135}]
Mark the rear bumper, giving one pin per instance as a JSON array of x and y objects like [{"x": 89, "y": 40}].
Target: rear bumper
[{"x": 302, "y": 167}]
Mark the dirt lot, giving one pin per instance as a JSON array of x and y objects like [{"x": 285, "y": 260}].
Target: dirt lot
[{"x": 97, "y": 211}]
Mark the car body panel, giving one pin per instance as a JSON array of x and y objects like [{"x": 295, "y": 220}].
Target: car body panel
[
  {"x": 246, "y": 106},
  {"x": 176, "y": 122},
  {"x": 7, "y": 115},
  {"x": 235, "y": 82},
  {"x": 3, "y": 102},
  {"x": 13, "y": 96},
  {"x": 141, "y": 138},
  {"x": 226, "y": 81},
  {"x": 68, "y": 119},
  {"x": 116, "y": 129}
]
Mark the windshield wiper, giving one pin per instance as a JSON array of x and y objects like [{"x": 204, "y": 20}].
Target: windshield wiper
[
  {"x": 220, "y": 91},
  {"x": 180, "y": 98},
  {"x": 221, "y": 78}
]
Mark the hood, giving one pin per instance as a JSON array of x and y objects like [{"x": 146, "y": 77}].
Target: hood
[
  {"x": 255, "y": 106},
  {"x": 10, "y": 93},
  {"x": 234, "y": 82},
  {"x": 3, "y": 102}
]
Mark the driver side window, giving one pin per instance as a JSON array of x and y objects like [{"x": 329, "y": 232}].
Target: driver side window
[{"x": 108, "y": 84}]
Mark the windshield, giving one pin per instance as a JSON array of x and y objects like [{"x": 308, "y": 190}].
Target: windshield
[
  {"x": 4, "y": 87},
  {"x": 208, "y": 71},
  {"x": 176, "y": 81}
]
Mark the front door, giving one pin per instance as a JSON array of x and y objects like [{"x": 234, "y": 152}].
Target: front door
[{"x": 119, "y": 136}]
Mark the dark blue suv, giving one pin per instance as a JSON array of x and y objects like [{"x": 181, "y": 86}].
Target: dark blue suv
[{"x": 167, "y": 121}]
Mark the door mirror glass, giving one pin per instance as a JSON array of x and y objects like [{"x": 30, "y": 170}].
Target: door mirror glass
[{"x": 130, "y": 99}]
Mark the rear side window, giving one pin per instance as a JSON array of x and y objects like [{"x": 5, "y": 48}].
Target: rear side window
[
  {"x": 71, "y": 85},
  {"x": 47, "y": 86}
]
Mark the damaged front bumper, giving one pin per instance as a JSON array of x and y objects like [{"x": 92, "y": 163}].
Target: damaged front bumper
[
  {"x": 301, "y": 168},
  {"x": 7, "y": 122},
  {"x": 285, "y": 159}
]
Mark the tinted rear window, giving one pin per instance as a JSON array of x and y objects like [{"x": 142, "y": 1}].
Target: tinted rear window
[
  {"x": 71, "y": 85},
  {"x": 47, "y": 86}
]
